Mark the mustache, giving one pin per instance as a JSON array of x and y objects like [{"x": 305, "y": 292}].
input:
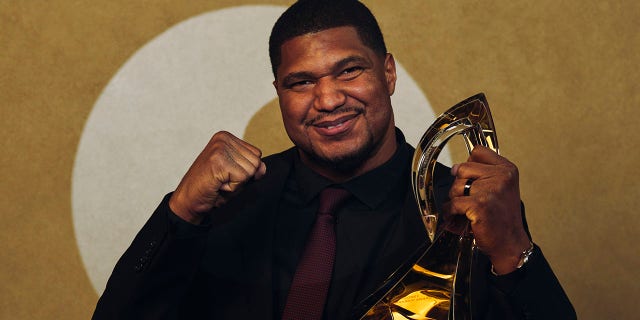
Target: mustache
[{"x": 335, "y": 112}]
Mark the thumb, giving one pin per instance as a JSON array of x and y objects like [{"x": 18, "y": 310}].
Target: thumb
[{"x": 262, "y": 170}]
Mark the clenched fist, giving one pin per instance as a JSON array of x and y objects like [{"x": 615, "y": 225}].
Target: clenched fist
[{"x": 219, "y": 172}]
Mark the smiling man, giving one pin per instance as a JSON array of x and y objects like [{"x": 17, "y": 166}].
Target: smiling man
[
  {"x": 310, "y": 232},
  {"x": 335, "y": 97}
]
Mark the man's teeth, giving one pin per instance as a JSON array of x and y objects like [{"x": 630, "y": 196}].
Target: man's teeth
[{"x": 336, "y": 126}]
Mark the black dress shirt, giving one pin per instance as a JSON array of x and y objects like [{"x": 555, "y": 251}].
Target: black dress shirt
[{"x": 361, "y": 228}]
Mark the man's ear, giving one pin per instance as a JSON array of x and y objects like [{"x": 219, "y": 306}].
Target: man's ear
[
  {"x": 275, "y": 85},
  {"x": 390, "y": 73}
]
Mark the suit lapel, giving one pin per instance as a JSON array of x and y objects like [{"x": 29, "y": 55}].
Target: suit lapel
[{"x": 409, "y": 236}]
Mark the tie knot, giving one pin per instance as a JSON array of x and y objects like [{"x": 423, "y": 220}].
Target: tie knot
[{"x": 331, "y": 198}]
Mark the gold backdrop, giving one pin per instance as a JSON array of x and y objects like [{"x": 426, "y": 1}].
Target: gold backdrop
[{"x": 561, "y": 77}]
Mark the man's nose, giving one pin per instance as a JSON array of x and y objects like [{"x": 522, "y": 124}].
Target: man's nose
[{"x": 328, "y": 95}]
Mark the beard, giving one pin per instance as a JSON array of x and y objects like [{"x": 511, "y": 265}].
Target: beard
[{"x": 349, "y": 162}]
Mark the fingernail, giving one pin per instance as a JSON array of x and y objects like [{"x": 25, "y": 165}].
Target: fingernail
[{"x": 454, "y": 169}]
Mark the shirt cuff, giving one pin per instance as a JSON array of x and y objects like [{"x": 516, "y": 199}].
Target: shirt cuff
[
  {"x": 507, "y": 283},
  {"x": 179, "y": 227}
]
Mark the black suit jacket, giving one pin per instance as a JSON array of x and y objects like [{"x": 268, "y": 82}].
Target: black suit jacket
[{"x": 164, "y": 273}]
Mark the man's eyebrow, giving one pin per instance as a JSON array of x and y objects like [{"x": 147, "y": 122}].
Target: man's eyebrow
[
  {"x": 348, "y": 60},
  {"x": 338, "y": 66}
]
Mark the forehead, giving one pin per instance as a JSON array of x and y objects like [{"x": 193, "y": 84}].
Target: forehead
[{"x": 323, "y": 46}]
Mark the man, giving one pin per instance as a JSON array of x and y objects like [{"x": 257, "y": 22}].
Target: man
[{"x": 228, "y": 242}]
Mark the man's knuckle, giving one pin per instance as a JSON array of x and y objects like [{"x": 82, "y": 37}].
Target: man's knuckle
[{"x": 463, "y": 168}]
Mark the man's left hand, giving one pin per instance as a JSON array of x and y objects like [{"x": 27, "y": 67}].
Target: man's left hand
[{"x": 492, "y": 206}]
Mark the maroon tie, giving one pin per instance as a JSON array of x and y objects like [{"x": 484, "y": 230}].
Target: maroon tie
[{"x": 310, "y": 284}]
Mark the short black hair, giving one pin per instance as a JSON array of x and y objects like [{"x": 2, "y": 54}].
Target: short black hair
[{"x": 309, "y": 16}]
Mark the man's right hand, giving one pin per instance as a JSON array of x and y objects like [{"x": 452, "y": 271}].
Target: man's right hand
[{"x": 219, "y": 172}]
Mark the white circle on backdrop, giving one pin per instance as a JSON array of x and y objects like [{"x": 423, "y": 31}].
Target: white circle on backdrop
[{"x": 208, "y": 73}]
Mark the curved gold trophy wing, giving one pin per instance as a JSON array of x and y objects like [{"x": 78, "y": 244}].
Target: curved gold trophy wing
[{"x": 434, "y": 282}]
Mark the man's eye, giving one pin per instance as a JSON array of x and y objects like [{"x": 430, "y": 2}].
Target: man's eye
[
  {"x": 302, "y": 83},
  {"x": 299, "y": 85},
  {"x": 352, "y": 72}
]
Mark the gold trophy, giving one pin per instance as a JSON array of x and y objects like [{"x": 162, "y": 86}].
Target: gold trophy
[{"x": 434, "y": 282}]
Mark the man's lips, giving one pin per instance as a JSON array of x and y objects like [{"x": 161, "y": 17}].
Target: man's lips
[
  {"x": 335, "y": 126},
  {"x": 335, "y": 123}
]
